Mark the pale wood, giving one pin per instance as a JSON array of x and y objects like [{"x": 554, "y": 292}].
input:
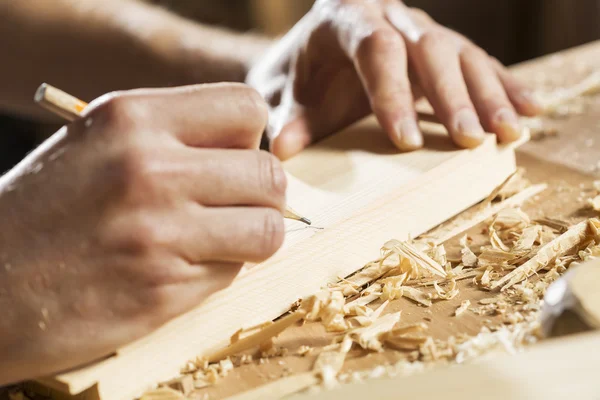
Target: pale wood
[
  {"x": 358, "y": 188},
  {"x": 565, "y": 368},
  {"x": 59, "y": 102}
]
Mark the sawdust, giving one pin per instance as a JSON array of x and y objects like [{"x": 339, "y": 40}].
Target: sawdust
[{"x": 420, "y": 270}]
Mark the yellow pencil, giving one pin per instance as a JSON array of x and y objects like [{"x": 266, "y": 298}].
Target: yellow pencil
[{"x": 70, "y": 108}]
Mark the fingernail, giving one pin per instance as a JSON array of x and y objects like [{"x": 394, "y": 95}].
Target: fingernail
[
  {"x": 409, "y": 135},
  {"x": 469, "y": 132},
  {"x": 508, "y": 125}
]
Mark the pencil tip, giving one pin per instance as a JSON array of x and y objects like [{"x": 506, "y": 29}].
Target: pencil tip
[{"x": 305, "y": 220}]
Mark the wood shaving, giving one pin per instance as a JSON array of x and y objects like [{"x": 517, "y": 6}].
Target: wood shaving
[
  {"x": 446, "y": 294},
  {"x": 304, "y": 350},
  {"x": 419, "y": 264},
  {"x": 256, "y": 339},
  {"x": 595, "y": 203},
  {"x": 183, "y": 384},
  {"x": 403, "y": 338},
  {"x": 558, "y": 247},
  {"x": 556, "y": 224},
  {"x": 464, "y": 222},
  {"x": 468, "y": 258},
  {"x": 368, "y": 337},
  {"x": 464, "y": 306},
  {"x": 366, "y": 320},
  {"x": 329, "y": 363}
]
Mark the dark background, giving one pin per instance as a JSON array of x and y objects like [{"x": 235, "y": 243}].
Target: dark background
[{"x": 511, "y": 30}]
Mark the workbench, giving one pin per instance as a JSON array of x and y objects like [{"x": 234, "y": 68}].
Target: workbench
[{"x": 568, "y": 162}]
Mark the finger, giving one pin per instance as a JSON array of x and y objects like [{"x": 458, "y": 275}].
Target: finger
[
  {"x": 493, "y": 106},
  {"x": 180, "y": 288},
  {"x": 198, "y": 234},
  {"x": 232, "y": 234},
  {"x": 380, "y": 60},
  {"x": 229, "y": 178},
  {"x": 216, "y": 115},
  {"x": 436, "y": 61},
  {"x": 519, "y": 94}
]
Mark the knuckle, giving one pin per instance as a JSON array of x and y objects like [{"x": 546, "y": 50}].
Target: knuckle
[
  {"x": 382, "y": 40},
  {"x": 115, "y": 111},
  {"x": 475, "y": 52},
  {"x": 433, "y": 38},
  {"x": 136, "y": 171},
  {"x": 272, "y": 179},
  {"x": 249, "y": 102},
  {"x": 271, "y": 233},
  {"x": 145, "y": 235}
]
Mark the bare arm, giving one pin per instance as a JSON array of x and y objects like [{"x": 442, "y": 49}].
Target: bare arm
[{"x": 95, "y": 46}]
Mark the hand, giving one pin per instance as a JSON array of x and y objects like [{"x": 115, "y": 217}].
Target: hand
[
  {"x": 129, "y": 217},
  {"x": 347, "y": 58}
]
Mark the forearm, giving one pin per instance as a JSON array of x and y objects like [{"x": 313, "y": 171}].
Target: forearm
[{"x": 92, "y": 47}]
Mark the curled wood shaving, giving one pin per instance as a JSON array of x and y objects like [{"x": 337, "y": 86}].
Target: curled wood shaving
[
  {"x": 446, "y": 294},
  {"x": 511, "y": 218},
  {"x": 558, "y": 247},
  {"x": 464, "y": 306},
  {"x": 368, "y": 337},
  {"x": 419, "y": 262},
  {"x": 366, "y": 320},
  {"x": 527, "y": 239},
  {"x": 358, "y": 306}
]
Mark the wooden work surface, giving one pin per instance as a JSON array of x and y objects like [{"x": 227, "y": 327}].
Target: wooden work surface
[{"x": 567, "y": 162}]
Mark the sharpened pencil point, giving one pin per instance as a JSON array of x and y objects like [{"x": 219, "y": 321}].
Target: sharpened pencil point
[{"x": 305, "y": 220}]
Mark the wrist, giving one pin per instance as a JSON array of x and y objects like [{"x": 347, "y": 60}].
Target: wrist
[{"x": 193, "y": 53}]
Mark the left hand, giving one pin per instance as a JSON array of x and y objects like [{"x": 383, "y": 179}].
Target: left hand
[{"x": 347, "y": 58}]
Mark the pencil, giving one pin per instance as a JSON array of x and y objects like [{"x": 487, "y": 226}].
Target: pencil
[{"x": 70, "y": 108}]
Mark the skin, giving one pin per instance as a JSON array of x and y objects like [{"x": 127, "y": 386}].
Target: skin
[
  {"x": 348, "y": 58},
  {"x": 155, "y": 199},
  {"x": 130, "y": 217}
]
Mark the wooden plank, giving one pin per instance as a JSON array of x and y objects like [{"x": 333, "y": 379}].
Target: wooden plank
[
  {"x": 358, "y": 188},
  {"x": 556, "y": 369}
]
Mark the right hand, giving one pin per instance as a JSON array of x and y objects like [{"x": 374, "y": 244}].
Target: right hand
[{"x": 129, "y": 217}]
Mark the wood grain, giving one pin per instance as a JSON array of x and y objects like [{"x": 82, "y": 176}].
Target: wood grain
[{"x": 362, "y": 192}]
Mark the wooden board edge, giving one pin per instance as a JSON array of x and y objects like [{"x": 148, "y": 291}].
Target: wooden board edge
[{"x": 81, "y": 380}]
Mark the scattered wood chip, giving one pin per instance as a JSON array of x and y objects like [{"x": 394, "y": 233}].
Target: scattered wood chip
[
  {"x": 558, "y": 247},
  {"x": 464, "y": 306},
  {"x": 595, "y": 203},
  {"x": 468, "y": 258},
  {"x": 183, "y": 384},
  {"x": 368, "y": 337}
]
